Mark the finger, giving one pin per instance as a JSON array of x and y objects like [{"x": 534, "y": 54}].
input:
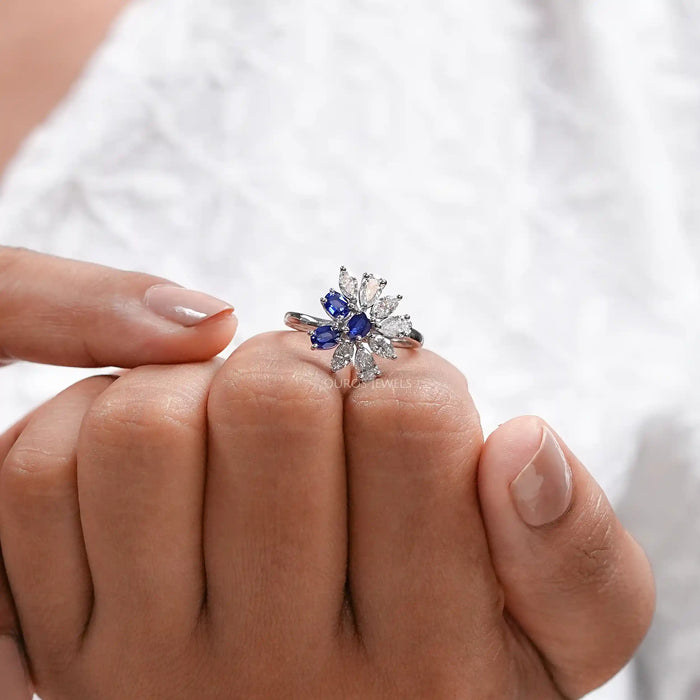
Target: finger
[
  {"x": 575, "y": 581},
  {"x": 8, "y": 438},
  {"x": 275, "y": 518},
  {"x": 420, "y": 571},
  {"x": 141, "y": 472},
  {"x": 40, "y": 525},
  {"x": 14, "y": 680},
  {"x": 64, "y": 312}
]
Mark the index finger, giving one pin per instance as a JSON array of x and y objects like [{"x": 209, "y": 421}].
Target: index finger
[{"x": 65, "y": 312}]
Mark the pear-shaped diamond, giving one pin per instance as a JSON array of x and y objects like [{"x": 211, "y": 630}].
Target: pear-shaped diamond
[
  {"x": 369, "y": 289},
  {"x": 385, "y": 307},
  {"x": 369, "y": 374},
  {"x": 348, "y": 285},
  {"x": 363, "y": 358},
  {"x": 395, "y": 326},
  {"x": 382, "y": 346},
  {"x": 343, "y": 355}
]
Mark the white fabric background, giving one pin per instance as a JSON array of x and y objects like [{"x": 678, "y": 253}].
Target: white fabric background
[{"x": 525, "y": 172}]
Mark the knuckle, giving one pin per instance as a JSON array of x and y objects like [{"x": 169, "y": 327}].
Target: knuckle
[
  {"x": 40, "y": 465},
  {"x": 31, "y": 472},
  {"x": 263, "y": 379},
  {"x": 293, "y": 396},
  {"x": 139, "y": 413},
  {"x": 419, "y": 408}
]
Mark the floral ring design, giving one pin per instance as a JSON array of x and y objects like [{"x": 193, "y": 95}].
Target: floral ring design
[{"x": 361, "y": 325}]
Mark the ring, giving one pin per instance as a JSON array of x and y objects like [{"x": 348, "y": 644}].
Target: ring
[{"x": 361, "y": 325}]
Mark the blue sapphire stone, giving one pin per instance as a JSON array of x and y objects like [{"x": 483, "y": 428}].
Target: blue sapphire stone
[
  {"x": 359, "y": 326},
  {"x": 325, "y": 337},
  {"x": 336, "y": 305}
]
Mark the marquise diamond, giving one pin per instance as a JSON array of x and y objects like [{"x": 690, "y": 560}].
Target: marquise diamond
[
  {"x": 380, "y": 345},
  {"x": 348, "y": 285},
  {"x": 395, "y": 326},
  {"x": 343, "y": 355}
]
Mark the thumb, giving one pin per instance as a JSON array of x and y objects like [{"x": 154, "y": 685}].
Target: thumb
[
  {"x": 64, "y": 312},
  {"x": 575, "y": 582}
]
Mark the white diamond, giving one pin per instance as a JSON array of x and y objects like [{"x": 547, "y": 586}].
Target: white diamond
[
  {"x": 395, "y": 326},
  {"x": 369, "y": 375},
  {"x": 342, "y": 355},
  {"x": 369, "y": 289},
  {"x": 382, "y": 346},
  {"x": 348, "y": 285},
  {"x": 363, "y": 358},
  {"x": 384, "y": 307}
]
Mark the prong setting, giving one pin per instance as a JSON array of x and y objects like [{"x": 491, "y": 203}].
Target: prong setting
[{"x": 360, "y": 325}]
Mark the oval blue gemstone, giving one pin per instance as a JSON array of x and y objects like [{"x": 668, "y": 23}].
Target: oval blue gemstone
[
  {"x": 325, "y": 337},
  {"x": 336, "y": 305},
  {"x": 359, "y": 326}
]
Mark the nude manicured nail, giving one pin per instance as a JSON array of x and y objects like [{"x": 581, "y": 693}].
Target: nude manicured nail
[
  {"x": 542, "y": 490},
  {"x": 13, "y": 678},
  {"x": 184, "y": 306}
]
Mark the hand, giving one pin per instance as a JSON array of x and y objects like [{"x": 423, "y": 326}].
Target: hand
[
  {"x": 251, "y": 530},
  {"x": 64, "y": 312}
]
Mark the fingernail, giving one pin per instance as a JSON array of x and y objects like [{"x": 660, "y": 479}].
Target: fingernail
[
  {"x": 184, "y": 306},
  {"x": 542, "y": 490},
  {"x": 13, "y": 676}
]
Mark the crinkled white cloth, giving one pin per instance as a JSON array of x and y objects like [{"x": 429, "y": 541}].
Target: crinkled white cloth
[{"x": 525, "y": 172}]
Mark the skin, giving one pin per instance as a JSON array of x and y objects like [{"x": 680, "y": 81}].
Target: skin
[
  {"x": 42, "y": 52},
  {"x": 257, "y": 532},
  {"x": 249, "y": 529},
  {"x": 60, "y": 311}
]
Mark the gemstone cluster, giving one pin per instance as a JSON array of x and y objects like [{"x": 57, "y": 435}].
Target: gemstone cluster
[{"x": 361, "y": 324}]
